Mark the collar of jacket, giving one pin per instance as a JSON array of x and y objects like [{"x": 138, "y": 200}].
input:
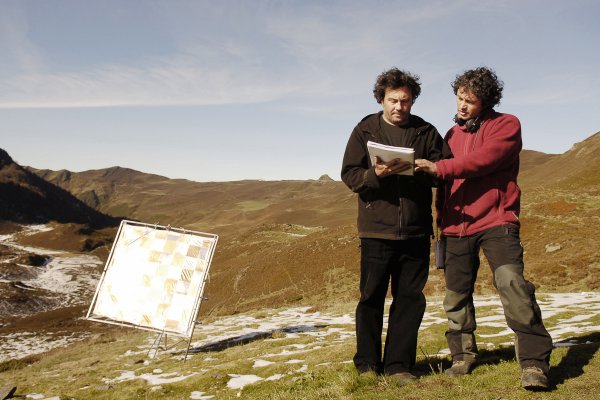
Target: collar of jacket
[{"x": 486, "y": 115}]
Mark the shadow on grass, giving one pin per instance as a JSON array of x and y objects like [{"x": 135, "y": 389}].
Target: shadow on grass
[
  {"x": 435, "y": 365},
  {"x": 581, "y": 350},
  {"x": 251, "y": 337}
]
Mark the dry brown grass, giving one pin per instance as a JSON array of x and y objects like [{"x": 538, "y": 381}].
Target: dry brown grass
[{"x": 263, "y": 259}]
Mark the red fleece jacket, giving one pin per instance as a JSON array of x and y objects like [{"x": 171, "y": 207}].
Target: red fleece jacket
[{"x": 481, "y": 190}]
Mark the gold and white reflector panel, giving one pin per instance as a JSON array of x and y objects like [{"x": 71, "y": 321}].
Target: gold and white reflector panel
[{"x": 154, "y": 278}]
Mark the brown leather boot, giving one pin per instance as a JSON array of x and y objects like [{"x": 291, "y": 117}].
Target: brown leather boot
[
  {"x": 460, "y": 367},
  {"x": 534, "y": 379}
]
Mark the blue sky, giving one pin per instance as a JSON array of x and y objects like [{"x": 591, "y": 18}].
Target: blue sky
[{"x": 271, "y": 89}]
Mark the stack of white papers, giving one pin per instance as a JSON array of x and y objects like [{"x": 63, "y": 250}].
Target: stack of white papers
[{"x": 387, "y": 153}]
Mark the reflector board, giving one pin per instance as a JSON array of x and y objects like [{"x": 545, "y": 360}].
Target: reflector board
[{"x": 154, "y": 278}]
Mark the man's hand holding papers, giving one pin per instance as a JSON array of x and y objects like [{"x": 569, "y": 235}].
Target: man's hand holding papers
[{"x": 390, "y": 160}]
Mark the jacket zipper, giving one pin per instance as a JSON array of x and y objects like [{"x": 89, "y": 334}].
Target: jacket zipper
[
  {"x": 473, "y": 137},
  {"x": 463, "y": 228},
  {"x": 400, "y": 224},
  {"x": 411, "y": 144}
]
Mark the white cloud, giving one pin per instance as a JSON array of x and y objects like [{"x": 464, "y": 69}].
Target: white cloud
[
  {"x": 276, "y": 51},
  {"x": 240, "y": 52},
  {"x": 167, "y": 84}
]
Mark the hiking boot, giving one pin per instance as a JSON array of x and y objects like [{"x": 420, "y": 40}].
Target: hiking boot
[
  {"x": 460, "y": 367},
  {"x": 533, "y": 378},
  {"x": 403, "y": 377}
]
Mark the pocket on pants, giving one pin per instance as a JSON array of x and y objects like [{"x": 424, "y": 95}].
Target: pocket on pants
[{"x": 502, "y": 245}]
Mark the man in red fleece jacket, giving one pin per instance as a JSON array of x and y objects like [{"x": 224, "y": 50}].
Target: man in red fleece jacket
[{"x": 478, "y": 208}]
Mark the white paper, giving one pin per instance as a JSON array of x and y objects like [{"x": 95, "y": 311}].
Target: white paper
[{"x": 387, "y": 153}]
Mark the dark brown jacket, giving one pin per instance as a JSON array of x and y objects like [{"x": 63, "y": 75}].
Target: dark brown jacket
[{"x": 396, "y": 207}]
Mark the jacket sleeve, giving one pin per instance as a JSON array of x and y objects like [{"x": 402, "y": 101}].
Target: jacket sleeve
[
  {"x": 501, "y": 145},
  {"x": 357, "y": 172}
]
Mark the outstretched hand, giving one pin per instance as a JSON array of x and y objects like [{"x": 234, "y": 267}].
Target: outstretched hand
[
  {"x": 426, "y": 166},
  {"x": 395, "y": 166}
]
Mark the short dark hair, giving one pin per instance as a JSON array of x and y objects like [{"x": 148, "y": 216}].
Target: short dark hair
[
  {"x": 483, "y": 83},
  {"x": 394, "y": 79}
]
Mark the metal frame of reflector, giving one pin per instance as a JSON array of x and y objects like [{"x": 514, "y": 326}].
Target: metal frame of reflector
[{"x": 154, "y": 279}]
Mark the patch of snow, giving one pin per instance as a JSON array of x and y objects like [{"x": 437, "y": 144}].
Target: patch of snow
[
  {"x": 261, "y": 363},
  {"x": 239, "y": 381},
  {"x": 9, "y": 241},
  {"x": 567, "y": 343},
  {"x": 33, "y": 229},
  {"x": 491, "y": 318},
  {"x": 298, "y": 322},
  {"x": 274, "y": 377},
  {"x": 21, "y": 344},
  {"x": 286, "y": 353},
  {"x": 66, "y": 280},
  {"x": 577, "y": 318},
  {"x": 125, "y": 376},
  {"x": 561, "y": 332},
  {"x": 302, "y": 369},
  {"x": 129, "y": 353},
  {"x": 430, "y": 319},
  {"x": 296, "y": 234},
  {"x": 200, "y": 396},
  {"x": 299, "y": 346},
  {"x": 152, "y": 379},
  {"x": 161, "y": 379},
  {"x": 69, "y": 276}
]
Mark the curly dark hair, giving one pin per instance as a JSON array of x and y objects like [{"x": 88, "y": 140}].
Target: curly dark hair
[
  {"x": 394, "y": 79},
  {"x": 483, "y": 83}
]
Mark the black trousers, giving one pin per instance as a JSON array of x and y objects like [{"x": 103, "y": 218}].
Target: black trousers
[
  {"x": 404, "y": 263},
  {"x": 502, "y": 248}
]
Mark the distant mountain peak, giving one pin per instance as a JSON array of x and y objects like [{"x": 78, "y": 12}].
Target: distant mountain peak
[
  {"x": 325, "y": 178},
  {"x": 5, "y": 159},
  {"x": 27, "y": 198}
]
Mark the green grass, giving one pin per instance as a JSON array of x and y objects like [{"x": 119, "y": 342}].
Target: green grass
[{"x": 88, "y": 370}]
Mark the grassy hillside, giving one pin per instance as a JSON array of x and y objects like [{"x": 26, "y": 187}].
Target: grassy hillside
[
  {"x": 26, "y": 198},
  {"x": 293, "y": 243},
  {"x": 576, "y": 168},
  {"x": 561, "y": 213},
  {"x": 284, "y": 242},
  {"x": 216, "y": 207},
  {"x": 292, "y": 353}
]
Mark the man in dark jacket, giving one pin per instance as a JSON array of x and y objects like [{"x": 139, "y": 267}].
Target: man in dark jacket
[
  {"x": 394, "y": 225},
  {"x": 479, "y": 209}
]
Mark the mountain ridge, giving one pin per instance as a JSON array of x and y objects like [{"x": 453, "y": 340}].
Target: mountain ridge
[
  {"x": 303, "y": 233},
  {"x": 576, "y": 167},
  {"x": 221, "y": 206},
  {"x": 27, "y": 198}
]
